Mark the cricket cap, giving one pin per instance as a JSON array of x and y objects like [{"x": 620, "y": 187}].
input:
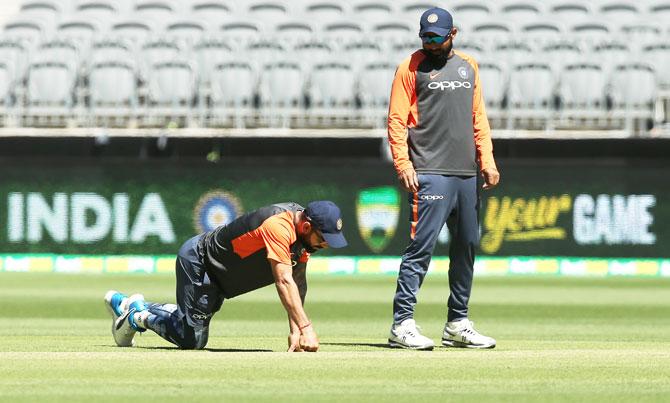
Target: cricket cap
[
  {"x": 327, "y": 218},
  {"x": 436, "y": 20}
]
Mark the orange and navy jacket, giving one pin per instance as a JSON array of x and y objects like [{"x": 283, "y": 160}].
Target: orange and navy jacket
[
  {"x": 437, "y": 120},
  {"x": 236, "y": 255}
]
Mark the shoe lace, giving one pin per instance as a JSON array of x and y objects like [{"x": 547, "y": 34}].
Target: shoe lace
[
  {"x": 412, "y": 331},
  {"x": 469, "y": 329}
]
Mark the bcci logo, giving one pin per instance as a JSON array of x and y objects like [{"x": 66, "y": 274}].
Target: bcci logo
[
  {"x": 378, "y": 210},
  {"x": 214, "y": 209}
]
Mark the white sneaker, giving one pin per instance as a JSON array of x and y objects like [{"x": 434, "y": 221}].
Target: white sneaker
[
  {"x": 462, "y": 334},
  {"x": 124, "y": 328},
  {"x": 116, "y": 303},
  {"x": 407, "y": 335}
]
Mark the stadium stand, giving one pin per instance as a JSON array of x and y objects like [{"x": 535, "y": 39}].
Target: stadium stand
[{"x": 203, "y": 63}]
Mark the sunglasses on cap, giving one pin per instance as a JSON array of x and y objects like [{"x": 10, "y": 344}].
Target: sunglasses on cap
[{"x": 435, "y": 39}]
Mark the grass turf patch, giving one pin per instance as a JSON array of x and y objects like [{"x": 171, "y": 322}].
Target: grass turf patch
[{"x": 559, "y": 339}]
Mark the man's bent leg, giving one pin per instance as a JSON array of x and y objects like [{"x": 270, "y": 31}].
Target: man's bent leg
[
  {"x": 429, "y": 207},
  {"x": 187, "y": 324}
]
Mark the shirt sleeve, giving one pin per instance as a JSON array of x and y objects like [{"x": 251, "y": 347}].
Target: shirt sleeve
[
  {"x": 278, "y": 235},
  {"x": 480, "y": 122},
  {"x": 402, "y": 94}
]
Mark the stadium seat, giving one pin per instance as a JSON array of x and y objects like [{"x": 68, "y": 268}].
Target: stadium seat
[
  {"x": 494, "y": 81},
  {"x": 659, "y": 10},
  {"x": 310, "y": 53},
  {"x": 393, "y": 32},
  {"x": 291, "y": 32},
  {"x": 582, "y": 95},
  {"x": 521, "y": 11},
  {"x": 531, "y": 95},
  {"x": 541, "y": 32},
  {"x": 171, "y": 93},
  {"x": 268, "y": 11},
  {"x": 341, "y": 32},
  {"x": 468, "y": 12},
  {"x": 107, "y": 50},
  {"x": 240, "y": 33},
  {"x": 633, "y": 91},
  {"x": 154, "y": 11},
  {"x": 133, "y": 30},
  {"x": 512, "y": 53},
  {"x": 611, "y": 53},
  {"x": 472, "y": 48},
  {"x": 50, "y": 93},
  {"x": 361, "y": 52},
  {"x": 6, "y": 90},
  {"x": 618, "y": 11},
  {"x": 113, "y": 93},
  {"x": 234, "y": 85},
  {"x": 373, "y": 11},
  {"x": 61, "y": 50},
  {"x": 332, "y": 92},
  {"x": 402, "y": 50},
  {"x": 592, "y": 32},
  {"x": 99, "y": 10},
  {"x": 78, "y": 29},
  {"x": 641, "y": 32},
  {"x": 324, "y": 11},
  {"x": 658, "y": 55},
  {"x": 633, "y": 88},
  {"x": 208, "y": 53},
  {"x": 374, "y": 91},
  {"x": 570, "y": 11},
  {"x": 154, "y": 52},
  {"x": 186, "y": 31},
  {"x": 493, "y": 31},
  {"x": 263, "y": 52},
  {"x": 14, "y": 56},
  {"x": 28, "y": 31},
  {"x": 560, "y": 53},
  {"x": 281, "y": 91},
  {"x": 42, "y": 11},
  {"x": 213, "y": 12}
]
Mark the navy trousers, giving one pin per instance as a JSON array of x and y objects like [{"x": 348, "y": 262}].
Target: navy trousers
[
  {"x": 186, "y": 324},
  {"x": 440, "y": 199}
]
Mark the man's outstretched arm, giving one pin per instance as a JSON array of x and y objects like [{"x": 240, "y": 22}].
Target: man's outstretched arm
[
  {"x": 291, "y": 297},
  {"x": 300, "y": 278}
]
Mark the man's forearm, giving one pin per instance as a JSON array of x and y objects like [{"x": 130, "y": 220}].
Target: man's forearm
[
  {"x": 290, "y": 298},
  {"x": 300, "y": 278}
]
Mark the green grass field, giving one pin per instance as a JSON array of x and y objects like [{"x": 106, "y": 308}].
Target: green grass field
[{"x": 559, "y": 339}]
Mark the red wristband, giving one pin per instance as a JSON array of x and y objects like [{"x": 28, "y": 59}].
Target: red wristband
[{"x": 305, "y": 326}]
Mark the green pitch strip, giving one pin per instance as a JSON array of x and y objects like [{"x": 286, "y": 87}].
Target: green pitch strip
[{"x": 559, "y": 339}]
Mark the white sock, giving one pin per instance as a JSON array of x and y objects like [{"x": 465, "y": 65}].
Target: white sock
[{"x": 140, "y": 319}]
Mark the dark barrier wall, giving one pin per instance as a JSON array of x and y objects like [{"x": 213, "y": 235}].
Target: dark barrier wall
[{"x": 545, "y": 207}]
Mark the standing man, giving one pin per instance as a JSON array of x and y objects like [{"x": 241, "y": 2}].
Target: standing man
[
  {"x": 440, "y": 140},
  {"x": 266, "y": 246}
]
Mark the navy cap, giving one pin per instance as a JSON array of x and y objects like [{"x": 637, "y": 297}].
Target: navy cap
[
  {"x": 436, "y": 20},
  {"x": 326, "y": 217}
]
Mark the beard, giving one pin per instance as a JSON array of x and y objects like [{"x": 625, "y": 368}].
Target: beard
[
  {"x": 440, "y": 56},
  {"x": 308, "y": 248}
]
